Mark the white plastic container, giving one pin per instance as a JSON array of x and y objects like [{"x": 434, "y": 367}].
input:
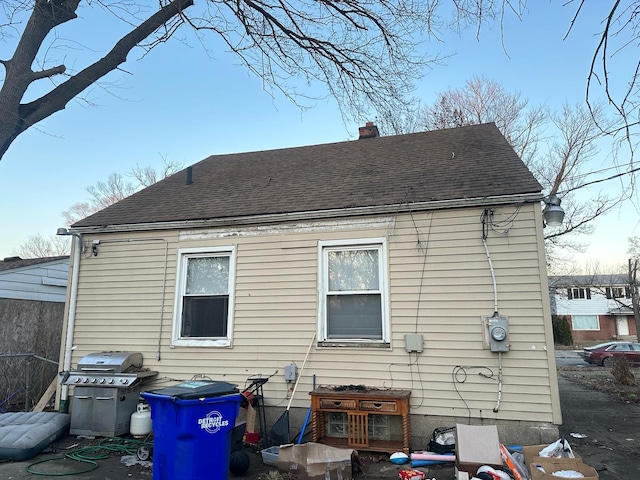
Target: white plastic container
[
  {"x": 140, "y": 421},
  {"x": 270, "y": 455}
]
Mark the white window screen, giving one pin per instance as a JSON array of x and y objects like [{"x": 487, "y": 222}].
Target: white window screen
[
  {"x": 208, "y": 276},
  {"x": 585, "y": 322}
]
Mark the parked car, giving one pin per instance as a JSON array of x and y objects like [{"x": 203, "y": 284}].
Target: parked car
[{"x": 603, "y": 353}]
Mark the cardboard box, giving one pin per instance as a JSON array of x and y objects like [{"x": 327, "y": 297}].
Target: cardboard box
[
  {"x": 476, "y": 445},
  {"x": 532, "y": 453},
  {"x": 316, "y": 461},
  {"x": 551, "y": 465}
]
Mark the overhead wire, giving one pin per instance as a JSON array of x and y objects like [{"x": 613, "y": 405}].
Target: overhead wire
[{"x": 600, "y": 180}]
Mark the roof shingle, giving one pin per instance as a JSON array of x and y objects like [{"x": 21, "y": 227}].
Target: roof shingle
[{"x": 460, "y": 163}]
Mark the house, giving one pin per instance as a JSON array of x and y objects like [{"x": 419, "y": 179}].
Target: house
[
  {"x": 32, "y": 303},
  {"x": 398, "y": 253},
  {"x": 598, "y": 307}
]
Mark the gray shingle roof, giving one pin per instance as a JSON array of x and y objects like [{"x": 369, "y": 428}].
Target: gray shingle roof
[
  {"x": 11, "y": 263},
  {"x": 599, "y": 280},
  {"x": 460, "y": 163}
]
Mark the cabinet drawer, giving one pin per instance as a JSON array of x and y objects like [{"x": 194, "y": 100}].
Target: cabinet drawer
[
  {"x": 337, "y": 404},
  {"x": 375, "y": 406}
]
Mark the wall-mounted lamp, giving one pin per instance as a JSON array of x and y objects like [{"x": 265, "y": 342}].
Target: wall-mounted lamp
[
  {"x": 553, "y": 213},
  {"x": 94, "y": 247},
  {"x": 65, "y": 231}
]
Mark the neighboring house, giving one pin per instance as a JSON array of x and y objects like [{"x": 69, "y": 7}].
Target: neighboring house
[
  {"x": 392, "y": 251},
  {"x": 32, "y": 304},
  {"x": 598, "y": 307}
]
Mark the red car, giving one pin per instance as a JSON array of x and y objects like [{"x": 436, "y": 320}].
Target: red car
[{"x": 603, "y": 353}]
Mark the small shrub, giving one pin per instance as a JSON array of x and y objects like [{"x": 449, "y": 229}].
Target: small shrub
[
  {"x": 561, "y": 330},
  {"x": 622, "y": 372}
]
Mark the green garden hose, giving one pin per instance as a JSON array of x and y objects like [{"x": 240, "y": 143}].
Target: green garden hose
[{"x": 90, "y": 454}]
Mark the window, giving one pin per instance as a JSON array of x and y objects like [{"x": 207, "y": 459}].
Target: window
[
  {"x": 585, "y": 322},
  {"x": 578, "y": 293},
  {"x": 618, "y": 292},
  {"x": 203, "y": 313},
  {"x": 625, "y": 347},
  {"x": 353, "y": 300}
]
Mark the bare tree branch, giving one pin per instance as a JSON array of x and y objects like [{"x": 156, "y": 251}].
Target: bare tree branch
[{"x": 46, "y": 15}]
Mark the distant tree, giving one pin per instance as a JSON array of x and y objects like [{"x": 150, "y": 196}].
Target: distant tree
[
  {"x": 561, "y": 330},
  {"x": 482, "y": 100},
  {"x": 101, "y": 195},
  {"x": 407, "y": 119},
  {"x": 117, "y": 187},
  {"x": 611, "y": 76},
  {"x": 556, "y": 146},
  {"x": 38, "y": 246},
  {"x": 562, "y": 168}
]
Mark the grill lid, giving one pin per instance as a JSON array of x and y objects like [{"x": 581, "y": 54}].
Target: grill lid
[
  {"x": 108, "y": 369},
  {"x": 110, "y": 362}
]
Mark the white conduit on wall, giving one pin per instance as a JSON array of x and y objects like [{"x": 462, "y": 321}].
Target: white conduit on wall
[
  {"x": 495, "y": 314},
  {"x": 71, "y": 320}
]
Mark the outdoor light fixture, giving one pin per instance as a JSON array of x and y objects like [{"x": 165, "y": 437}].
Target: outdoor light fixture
[
  {"x": 65, "y": 231},
  {"x": 553, "y": 212}
]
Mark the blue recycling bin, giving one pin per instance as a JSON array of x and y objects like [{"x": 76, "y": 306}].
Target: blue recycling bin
[{"x": 192, "y": 425}]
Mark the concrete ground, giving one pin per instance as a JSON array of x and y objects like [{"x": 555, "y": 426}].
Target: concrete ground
[{"x": 603, "y": 431}]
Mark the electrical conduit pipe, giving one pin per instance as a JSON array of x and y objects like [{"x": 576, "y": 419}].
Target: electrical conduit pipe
[{"x": 71, "y": 320}]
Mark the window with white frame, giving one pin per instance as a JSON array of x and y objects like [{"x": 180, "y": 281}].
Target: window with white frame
[
  {"x": 579, "y": 293},
  {"x": 585, "y": 322},
  {"x": 618, "y": 292},
  {"x": 204, "y": 297},
  {"x": 353, "y": 300}
]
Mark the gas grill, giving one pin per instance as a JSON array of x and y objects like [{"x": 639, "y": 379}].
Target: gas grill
[{"x": 106, "y": 392}]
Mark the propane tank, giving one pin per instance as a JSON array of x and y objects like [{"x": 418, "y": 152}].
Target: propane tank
[{"x": 140, "y": 421}]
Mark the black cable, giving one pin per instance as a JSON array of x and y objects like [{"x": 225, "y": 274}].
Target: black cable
[
  {"x": 600, "y": 180},
  {"x": 455, "y": 378}
]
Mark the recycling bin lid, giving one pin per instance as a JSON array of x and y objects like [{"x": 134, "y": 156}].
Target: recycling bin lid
[{"x": 197, "y": 389}]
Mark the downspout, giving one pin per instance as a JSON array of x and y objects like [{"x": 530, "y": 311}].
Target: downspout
[{"x": 78, "y": 246}]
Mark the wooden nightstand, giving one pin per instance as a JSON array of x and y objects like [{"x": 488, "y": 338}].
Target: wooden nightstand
[{"x": 356, "y": 405}]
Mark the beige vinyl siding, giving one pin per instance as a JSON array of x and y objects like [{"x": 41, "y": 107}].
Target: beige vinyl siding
[{"x": 443, "y": 296}]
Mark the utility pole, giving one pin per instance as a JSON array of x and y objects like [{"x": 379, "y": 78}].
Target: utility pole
[{"x": 635, "y": 296}]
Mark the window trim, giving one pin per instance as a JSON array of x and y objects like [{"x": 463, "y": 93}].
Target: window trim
[
  {"x": 383, "y": 274},
  {"x": 183, "y": 255}
]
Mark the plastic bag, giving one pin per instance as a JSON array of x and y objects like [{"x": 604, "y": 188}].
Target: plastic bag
[
  {"x": 443, "y": 440},
  {"x": 568, "y": 474},
  {"x": 558, "y": 449}
]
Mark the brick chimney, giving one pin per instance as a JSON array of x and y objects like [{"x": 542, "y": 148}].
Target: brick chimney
[{"x": 368, "y": 131}]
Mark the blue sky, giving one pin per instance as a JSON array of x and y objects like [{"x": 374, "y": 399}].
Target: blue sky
[{"x": 179, "y": 104}]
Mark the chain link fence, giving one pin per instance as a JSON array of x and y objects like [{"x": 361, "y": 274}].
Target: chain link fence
[{"x": 24, "y": 378}]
